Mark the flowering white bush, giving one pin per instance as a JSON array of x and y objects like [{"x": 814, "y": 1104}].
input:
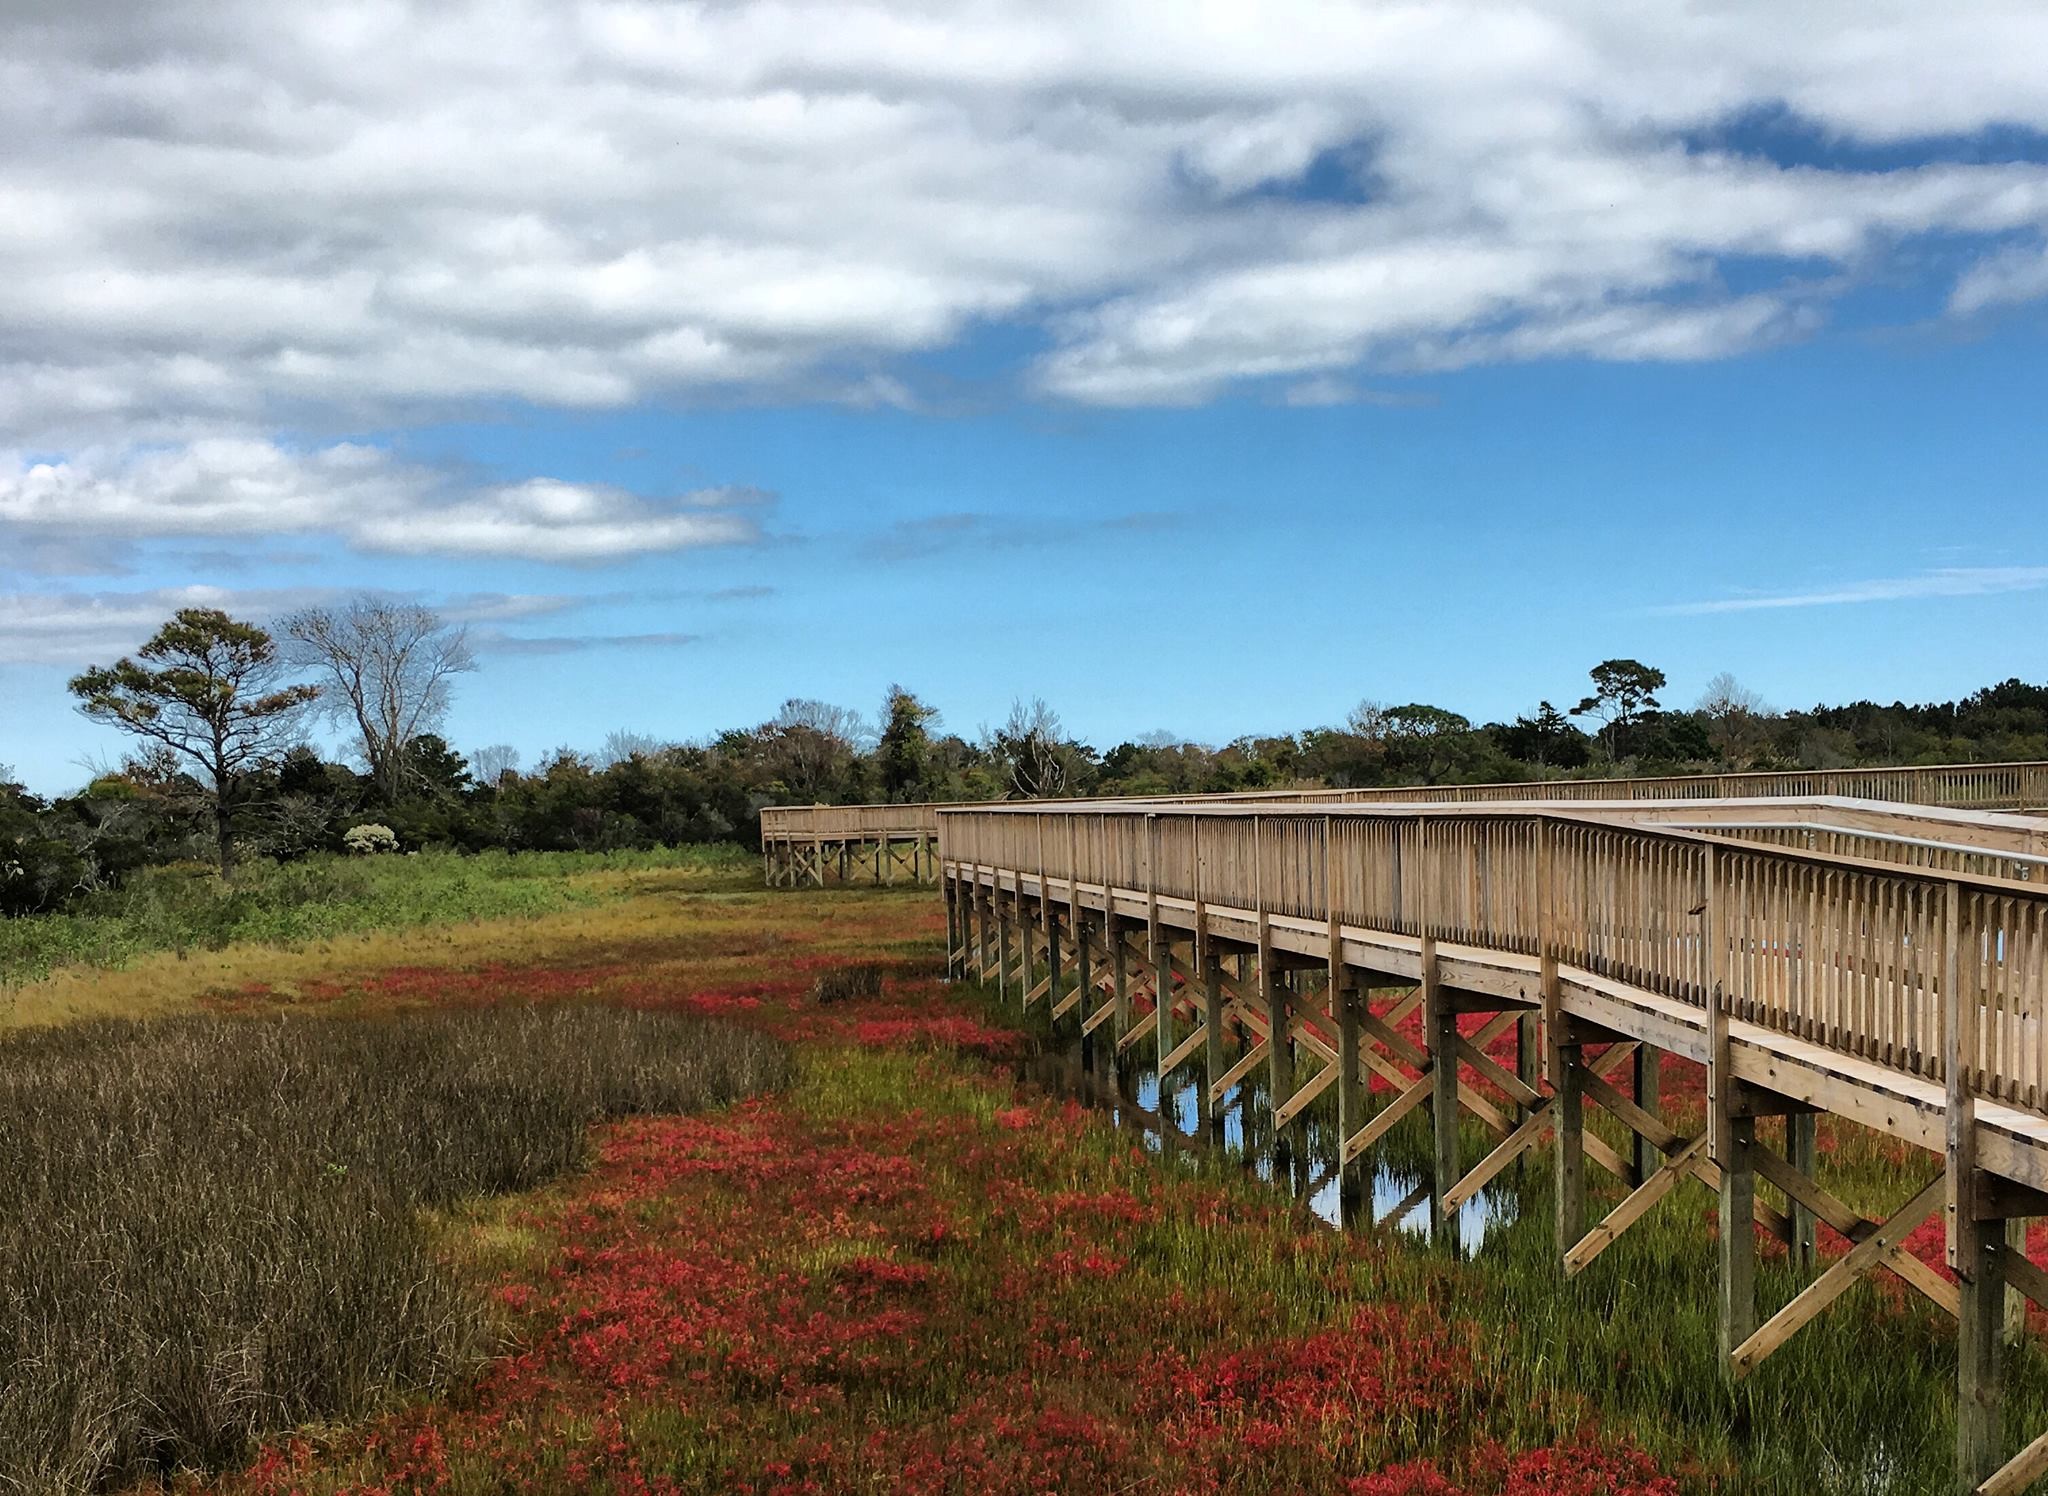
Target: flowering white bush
[{"x": 369, "y": 838}]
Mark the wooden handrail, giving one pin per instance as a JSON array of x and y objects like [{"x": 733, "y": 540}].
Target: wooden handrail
[
  {"x": 2005, "y": 786},
  {"x": 1842, "y": 951},
  {"x": 834, "y": 822}
]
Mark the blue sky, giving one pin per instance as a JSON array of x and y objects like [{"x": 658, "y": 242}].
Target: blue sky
[{"x": 1197, "y": 385}]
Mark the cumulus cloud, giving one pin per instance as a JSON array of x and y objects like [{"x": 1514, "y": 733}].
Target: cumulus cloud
[
  {"x": 240, "y": 486},
  {"x": 228, "y": 215}
]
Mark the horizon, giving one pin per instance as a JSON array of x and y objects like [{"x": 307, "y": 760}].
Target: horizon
[{"x": 1196, "y": 376}]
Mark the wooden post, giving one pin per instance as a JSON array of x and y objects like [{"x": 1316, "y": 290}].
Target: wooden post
[
  {"x": 1563, "y": 1056},
  {"x": 1162, "y": 1007},
  {"x": 1119, "y": 976},
  {"x": 995, "y": 897},
  {"x": 946, "y": 894},
  {"x": 1212, "y": 1044},
  {"x": 1528, "y": 1056},
  {"x": 1440, "y": 1033},
  {"x": 1084, "y": 971},
  {"x": 1568, "y": 1109},
  {"x": 1737, "y": 1227},
  {"x": 984, "y": 935},
  {"x": 1980, "y": 1356},
  {"x": 2015, "y": 1301},
  {"x": 1731, "y": 1138},
  {"x": 1027, "y": 975},
  {"x": 963, "y": 881},
  {"x": 1279, "y": 1054},
  {"x": 1351, "y": 1090},
  {"x": 1643, "y": 1162},
  {"x": 1052, "y": 959},
  {"x": 1976, "y": 1246},
  {"x": 1802, "y": 1152}
]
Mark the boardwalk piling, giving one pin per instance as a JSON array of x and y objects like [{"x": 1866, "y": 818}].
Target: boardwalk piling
[
  {"x": 1737, "y": 1316},
  {"x": 1568, "y": 1129},
  {"x": 1802, "y": 1152},
  {"x": 1213, "y": 1063},
  {"x": 1440, "y": 1030},
  {"x": 1002, "y": 938},
  {"x": 1643, "y": 1155}
]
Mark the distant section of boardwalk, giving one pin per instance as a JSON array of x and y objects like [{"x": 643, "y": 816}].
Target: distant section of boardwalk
[
  {"x": 879, "y": 843},
  {"x": 1817, "y": 952}
]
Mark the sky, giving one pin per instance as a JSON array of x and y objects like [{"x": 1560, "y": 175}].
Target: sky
[{"x": 1200, "y": 368}]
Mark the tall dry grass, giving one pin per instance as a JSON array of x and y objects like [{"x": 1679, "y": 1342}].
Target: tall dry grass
[{"x": 211, "y": 1229}]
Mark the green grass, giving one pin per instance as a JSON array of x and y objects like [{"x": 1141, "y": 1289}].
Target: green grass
[{"x": 189, "y": 908}]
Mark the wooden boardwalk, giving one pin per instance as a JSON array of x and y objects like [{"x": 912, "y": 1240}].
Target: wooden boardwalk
[
  {"x": 811, "y": 843},
  {"x": 1884, "y": 963},
  {"x": 817, "y": 843}
]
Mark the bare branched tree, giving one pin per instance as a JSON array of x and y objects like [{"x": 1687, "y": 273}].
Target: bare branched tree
[
  {"x": 491, "y": 763},
  {"x": 841, "y": 722},
  {"x": 388, "y": 667},
  {"x": 622, "y": 744},
  {"x": 1368, "y": 720},
  {"x": 1737, "y": 721},
  {"x": 1725, "y": 696},
  {"x": 814, "y": 745},
  {"x": 1033, "y": 746}
]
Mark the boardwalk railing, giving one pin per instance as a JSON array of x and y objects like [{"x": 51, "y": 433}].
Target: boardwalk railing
[
  {"x": 837, "y": 822},
  {"x": 805, "y": 843},
  {"x": 1890, "y": 966},
  {"x": 1831, "y": 949},
  {"x": 816, "y": 835},
  {"x": 2015, "y": 786}
]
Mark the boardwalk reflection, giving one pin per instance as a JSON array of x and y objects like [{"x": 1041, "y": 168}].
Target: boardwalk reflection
[{"x": 1388, "y": 1188}]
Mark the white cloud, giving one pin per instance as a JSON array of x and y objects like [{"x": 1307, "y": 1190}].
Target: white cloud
[
  {"x": 1326, "y": 390},
  {"x": 75, "y": 628},
  {"x": 231, "y": 486},
  {"x": 1947, "y": 581},
  {"x": 72, "y": 629},
  {"x": 228, "y": 216},
  {"x": 2003, "y": 279}
]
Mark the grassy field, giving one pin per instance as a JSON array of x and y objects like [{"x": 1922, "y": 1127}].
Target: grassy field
[
  {"x": 905, "y": 1271},
  {"x": 188, "y": 909}
]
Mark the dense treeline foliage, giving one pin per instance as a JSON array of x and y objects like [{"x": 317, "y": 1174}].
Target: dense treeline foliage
[{"x": 165, "y": 804}]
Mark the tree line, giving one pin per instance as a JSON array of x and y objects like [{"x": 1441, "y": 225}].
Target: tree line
[{"x": 220, "y": 713}]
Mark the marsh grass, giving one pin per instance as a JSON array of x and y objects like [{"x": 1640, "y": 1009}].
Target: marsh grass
[
  {"x": 847, "y": 983},
  {"x": 188, "y": 907},
  {"x": 211, "y": 1229}
]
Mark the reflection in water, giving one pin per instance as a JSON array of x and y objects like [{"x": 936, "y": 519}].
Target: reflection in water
[{"x": 1392, "y": 1190}]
